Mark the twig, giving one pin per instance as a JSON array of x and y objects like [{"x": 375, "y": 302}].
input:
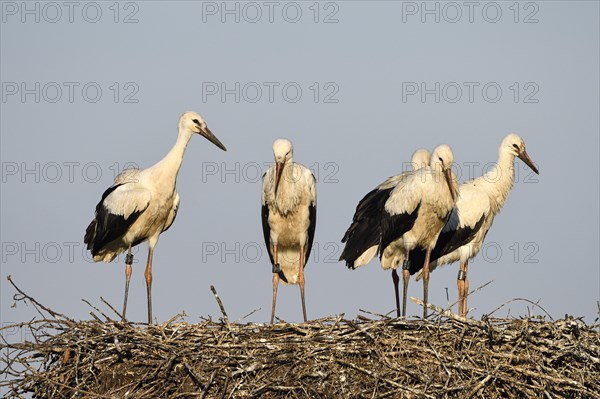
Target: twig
[
  {"x": 98, "y": 310},
  {"x": 373, "y": 375},
  {"x": 225, "y": 318},
  {"x": 536, "y": 304},
  {"x": 36, "y": 303},
  {"x": 208, "y": 385},
  {"x": 381, "y": 316},
  {"x": 448, "y": 313},
  {"x": 248, "y": 315},
  {"x": 120, "y": 316}
]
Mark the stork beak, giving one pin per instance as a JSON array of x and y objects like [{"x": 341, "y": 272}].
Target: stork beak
[
  {"x": 523, "y": 156},
  {"x": 278, "y": 171},
  {"x": 448, "y": 176},
  {"x": 211, "y": 137}
]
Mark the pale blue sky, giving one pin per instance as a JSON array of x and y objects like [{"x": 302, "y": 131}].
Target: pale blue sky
[{"x": 355, "y": 122}]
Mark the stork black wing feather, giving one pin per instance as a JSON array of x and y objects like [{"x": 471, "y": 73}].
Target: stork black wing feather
[
  {"x": 394, "y": 226},
  {"x": 312, "y": 215},
  {"x": 107, "y": 227},
  {"x": 365, "y": 229},
  {"x": 267, "y": 230},
  {"x": 447, "y": 242}
]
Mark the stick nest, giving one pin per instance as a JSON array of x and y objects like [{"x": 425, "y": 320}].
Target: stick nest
[{"x": 445, "y": 356}]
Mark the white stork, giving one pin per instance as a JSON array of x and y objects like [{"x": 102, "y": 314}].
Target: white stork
[
  {"x": 405, "y": 212},
  {"x": 289, "y": 213},
  {"x": 140, "y": 205},
  {"x": 414, "y": 215},
  {"x": 363, "y": 236},
  {"x": 480, "y": 200}
]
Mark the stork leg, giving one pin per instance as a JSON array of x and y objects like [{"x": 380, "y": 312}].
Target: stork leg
[
  {"x": 460, "y": 284},
  {"x": 396, "y": 279},
  {"x": 426, "y": 282},
  {"x": 405, "y": 280},
  {"x": 463, "y": 288},
  {"x": 148, "y": 275},
  {"x": 128, "y": 270},
  {"x": 275, "y": 282},
  {"x": 301, "y": 280},
  {"x": 466, "y": 290}
]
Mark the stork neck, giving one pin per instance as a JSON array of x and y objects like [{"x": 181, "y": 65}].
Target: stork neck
[
  {"x": 499, "y": 179},
  {"x": 171, "y": 163}
]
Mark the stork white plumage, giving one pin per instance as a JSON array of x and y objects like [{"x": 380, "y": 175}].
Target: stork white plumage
[
  {"x": 479, "y": 201},
  {"x": 414, "y": 215},
  {"x": 420, "y": 159},
  {"x": 289, "y": 213},
  {"x": 404, "y": 212},
  {"x": 140, "y": 205},
  {"x": 364, "y": 234}
]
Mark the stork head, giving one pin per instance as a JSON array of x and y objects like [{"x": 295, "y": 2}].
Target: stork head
[
  {"x": 441, "y": 160},
  {"x": 193, "y": 123},
  {"x": 514, "y": 145},
  {"x": 283, "y": 151},
  {"x": 420, "y": 158}
]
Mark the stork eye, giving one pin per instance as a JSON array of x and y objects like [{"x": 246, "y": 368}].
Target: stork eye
[
  {"x": 441, "y": 160},
  {"x": 196, "y": 121},
  {"x": 516, "y": 147}
]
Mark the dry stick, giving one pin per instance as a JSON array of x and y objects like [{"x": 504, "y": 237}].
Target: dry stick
[
  {"x": 449, "y": 309},
  {"x": 556, "y": 380},
  {"x": 75, "y": 389},
  {"x": 193, "y": 375},
  {"x": 225, "y": 318},
  {"x": 448, "y": 313},
  {"x": 112, "y": 308},
  {"x": 172, "y": 319},
  {"x": 98, "y": 310},
  {"x": 536, "y": 304},
  {"x": 210, "y": 382},
  {"x": 248, "y": 315},
  {"x": 598, "y": 318},
  {"x": 521, "y": 299},
  {"x": 438, "y": 358},
  {"x": 36, "y": 303},
  {"x": 376, "y": 314},
  {"x": 373, "y": 375},
  {"x": 225, "y": 386},
  {"x": 490, "y": 375}
]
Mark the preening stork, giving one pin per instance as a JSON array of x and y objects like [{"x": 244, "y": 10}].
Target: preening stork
[
  {"x": 406, "y": 211},
  {"x": 420, "y": 159},
  {"x": 364, "y": 234},
  {"x": 414, "y": 215},
  {"x": 289, "y": 213},
  {"x": 479, "y": 201},
  {"x": 140, "y": 205}
]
